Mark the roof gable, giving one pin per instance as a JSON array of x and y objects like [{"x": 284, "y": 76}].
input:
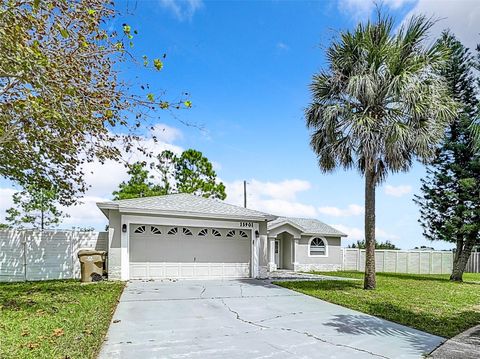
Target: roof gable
[
  {"x": 186, "y": 204},
  {"x": 307, "y": 226}
]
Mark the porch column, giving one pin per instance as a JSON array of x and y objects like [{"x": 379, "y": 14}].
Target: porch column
[
  {"x": 295, "y": 248},
  {"x": 271, "y": 254}
]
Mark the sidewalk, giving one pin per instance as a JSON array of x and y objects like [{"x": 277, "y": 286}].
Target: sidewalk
[{"x": 465, "y": 345}]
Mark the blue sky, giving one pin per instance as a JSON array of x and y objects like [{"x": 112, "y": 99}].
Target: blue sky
[{"x": 247, "y": 66}]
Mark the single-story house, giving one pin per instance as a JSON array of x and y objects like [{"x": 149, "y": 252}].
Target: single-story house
[{"x": 186, "y": 236}]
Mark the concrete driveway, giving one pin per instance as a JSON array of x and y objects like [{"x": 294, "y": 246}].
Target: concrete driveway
[{"x": 249, "y": 319}]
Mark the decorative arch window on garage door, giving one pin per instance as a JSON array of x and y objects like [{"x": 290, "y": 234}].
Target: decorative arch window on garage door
[
  {"x": 139, "y": 229},
  {"x": 155, "y": 230},
  {"x": 231, "y": 233},
  {"x": 216, "y": 233},
  {"x": 242, "y": 234},
  {"x": 203, "y": 232},
  {"x": 187, "y": 232},
  {"x": 318, "y": 247},
  {"x": 173, "y": 231}
]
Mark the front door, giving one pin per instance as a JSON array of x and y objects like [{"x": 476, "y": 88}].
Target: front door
[{"x": 277, "y": 253}]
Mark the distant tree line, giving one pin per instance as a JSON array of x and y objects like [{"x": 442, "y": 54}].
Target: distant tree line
[{"x": 378, "y": 245}]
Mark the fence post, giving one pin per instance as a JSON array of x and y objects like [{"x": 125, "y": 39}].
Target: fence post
[
  {"x": 430, "y": 260},
  {"x": 24, "y": 241}
]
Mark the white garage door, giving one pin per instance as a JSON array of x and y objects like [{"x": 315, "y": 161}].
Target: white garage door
[{"x": 158, "y": 252}]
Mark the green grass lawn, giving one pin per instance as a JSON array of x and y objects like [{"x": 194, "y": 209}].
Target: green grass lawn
[
  {"x": 427, "y": 302},
  {"x": 55, "y": 319}
]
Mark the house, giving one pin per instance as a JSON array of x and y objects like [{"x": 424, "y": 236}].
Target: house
[{"x": 186, "y": 236}]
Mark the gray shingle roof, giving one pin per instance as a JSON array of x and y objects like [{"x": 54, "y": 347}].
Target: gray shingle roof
[
  {"x": 307, "y": 225},
  {"x": 187, "y": 204}
]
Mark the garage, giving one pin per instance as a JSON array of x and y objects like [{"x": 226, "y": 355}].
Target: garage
[
  {"x": 188, "y": 252},
  {"x": 184, "y": 236}
]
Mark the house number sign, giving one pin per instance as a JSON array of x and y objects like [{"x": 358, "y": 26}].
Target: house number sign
[{"x": 246, "y": 224}]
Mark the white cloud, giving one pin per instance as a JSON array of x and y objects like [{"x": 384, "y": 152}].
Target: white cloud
[
  {"x": 5, "y": 201},
  {"x": 272, "y": 197},
  {"x": 361, "y": 9},
  {"x": 282, "y": 46},
  {"x": 358, "y": 234},
  {"x": 397, "y": 191},
  {"x": 351, "y": 210},
  {"x": 182, "y": 9},
  {"x": 461, "y": 17},
  {"x": 166, "y": 134}
]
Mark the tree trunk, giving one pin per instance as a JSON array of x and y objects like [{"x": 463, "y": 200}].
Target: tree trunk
[
  {"x": 461, "y": 257},
  {"x": 370, "y": 280}
]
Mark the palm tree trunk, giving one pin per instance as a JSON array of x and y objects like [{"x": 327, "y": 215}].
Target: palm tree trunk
[{"x": 369, "y": 281}]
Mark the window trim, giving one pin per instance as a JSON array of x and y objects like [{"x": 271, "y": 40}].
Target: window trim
[{"x": 324, "y": 242}]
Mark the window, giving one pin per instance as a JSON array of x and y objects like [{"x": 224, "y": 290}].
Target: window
[
  {"x": 140, "y": 229},
  {"x": 243, "y": 234},
  {"x": 203, "y": 232},
  {"x": 231, "y": 234},
  {"x": 187, "y": 232},
  {"x": 173, "y": 231},
  {"x": 155, "y": 230},
  {"x": 318, "y": 247},
  {"x": 216, "y": 233}
]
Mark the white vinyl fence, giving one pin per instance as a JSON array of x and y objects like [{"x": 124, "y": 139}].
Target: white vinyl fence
[
  {"x": 35, "y": 255},
  {"x": 397, "y": 261},
  {"x": 473, "y": 264}
]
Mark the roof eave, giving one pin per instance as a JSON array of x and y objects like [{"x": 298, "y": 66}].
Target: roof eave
[
  {"x": 326, "y": 234},
  {"x": 195, "y": 214},
  {"x": 105, "y": 207}
]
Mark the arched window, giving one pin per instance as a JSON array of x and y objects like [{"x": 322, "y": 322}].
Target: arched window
[
  {"x": 173, "y": 231},
  {"x": 140, "y": 229},
  {"x": 155, "y": 230},
  {"x": 231, "y": 234},
  {"x": 318, "y": 247},
  {"x": 243, "y": 234},
  {"x": 186, "y": 231},
  {"x": 216, "y": 233},
  {"x": 203, "y": 232}
]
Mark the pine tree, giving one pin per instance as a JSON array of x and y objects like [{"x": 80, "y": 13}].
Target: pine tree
[
  {"x": 35, "y": 207},
  {"x": 450, "y": 198}
]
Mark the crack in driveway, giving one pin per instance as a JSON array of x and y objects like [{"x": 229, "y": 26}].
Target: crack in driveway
[
  {"x": 310, "y": 335},
  {"x": 240, "y": 318}
]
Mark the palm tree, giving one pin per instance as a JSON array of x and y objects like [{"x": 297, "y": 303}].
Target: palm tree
[{"x": 380, "y": 104}]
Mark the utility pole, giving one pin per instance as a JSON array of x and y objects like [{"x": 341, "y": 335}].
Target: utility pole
[{"x": 245, "y": 194}]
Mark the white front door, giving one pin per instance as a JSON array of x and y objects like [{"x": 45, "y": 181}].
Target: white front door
[{"x": 277, "y": 253}]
